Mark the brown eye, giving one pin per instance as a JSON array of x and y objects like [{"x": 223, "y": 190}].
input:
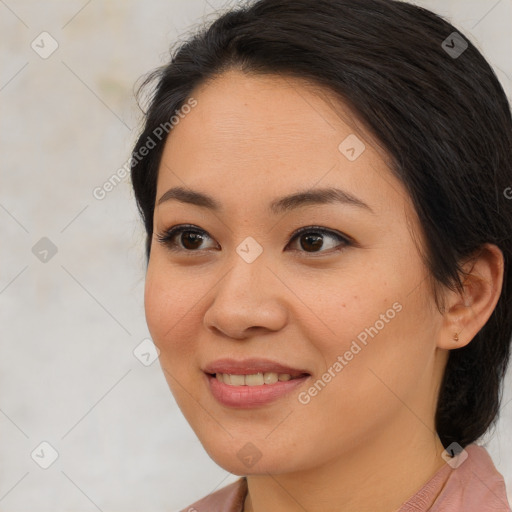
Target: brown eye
[
  {"x": 319, "y": 240},
  {"x": 311, "y": 242},
  {"x": 184, "y": 238},
  {"x": 191, "y": 240}
]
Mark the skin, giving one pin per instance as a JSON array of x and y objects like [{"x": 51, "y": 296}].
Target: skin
[{"x": 249, "y": 140}]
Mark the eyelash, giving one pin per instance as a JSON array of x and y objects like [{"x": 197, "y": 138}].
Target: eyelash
[{"x": 167, "y": 236}]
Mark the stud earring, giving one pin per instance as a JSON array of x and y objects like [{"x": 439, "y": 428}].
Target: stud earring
[{"x": 455, "y": 337}]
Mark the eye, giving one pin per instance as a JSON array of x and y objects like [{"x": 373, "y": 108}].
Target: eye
[
  {"x": 312, "y": 238},
  {"x": 189, "y": 238}
]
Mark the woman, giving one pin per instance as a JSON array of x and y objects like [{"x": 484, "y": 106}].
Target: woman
[{"x": 324, "y": 189}]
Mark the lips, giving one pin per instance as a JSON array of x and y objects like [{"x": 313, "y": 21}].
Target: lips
[
  {"x": 259, "y": 387},
  {"x": 252, "y": 366}
]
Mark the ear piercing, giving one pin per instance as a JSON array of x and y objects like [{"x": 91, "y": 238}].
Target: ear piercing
[{"x": 455, "y": 337}]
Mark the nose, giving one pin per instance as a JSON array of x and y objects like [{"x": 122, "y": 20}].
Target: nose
[{"x": 248, "y": 300}]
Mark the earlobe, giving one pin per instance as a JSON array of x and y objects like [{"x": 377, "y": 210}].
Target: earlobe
[{"x": 468, "y": 311}]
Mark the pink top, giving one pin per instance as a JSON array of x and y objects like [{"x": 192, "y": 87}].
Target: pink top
[{"x": 474, "y": 485}]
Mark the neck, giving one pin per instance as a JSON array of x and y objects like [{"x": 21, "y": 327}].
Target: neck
[{"x": 372, "y": 477}]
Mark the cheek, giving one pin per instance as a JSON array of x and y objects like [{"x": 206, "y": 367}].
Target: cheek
[
  {"x": 385, "y": 364},
  {"x": 342, "y": 305},
  {"x": 379, "y": 324},
  {"x": 364, "y": 385},
  {"x": 172, "y": 316},
  {"x": 171, "y": 307}
]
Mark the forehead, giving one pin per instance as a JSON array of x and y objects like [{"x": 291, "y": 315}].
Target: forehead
[
  {"x": 268, "y": 135},
  {"x": 257, "y": 115}
]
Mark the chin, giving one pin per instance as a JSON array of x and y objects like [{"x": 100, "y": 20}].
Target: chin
[{"x": 245, "y": 458}]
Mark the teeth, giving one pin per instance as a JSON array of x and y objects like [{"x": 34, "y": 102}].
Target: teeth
[
  {"x": 255, "y": 379},
  {"x": 235, "y": 380},
  {"x": 270, "y": 378}
]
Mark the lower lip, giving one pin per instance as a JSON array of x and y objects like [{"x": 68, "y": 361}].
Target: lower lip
[{"x": 251, "y": 396}]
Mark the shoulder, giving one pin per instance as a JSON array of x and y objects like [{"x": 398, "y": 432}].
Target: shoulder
[
  {"x": 477, "y": 483},
  {"x": 469, "y": 483},
  {"x": 227, "y": 499}
]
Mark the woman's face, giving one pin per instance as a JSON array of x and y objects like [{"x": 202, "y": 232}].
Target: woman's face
[{"x": 356, "y": 316}]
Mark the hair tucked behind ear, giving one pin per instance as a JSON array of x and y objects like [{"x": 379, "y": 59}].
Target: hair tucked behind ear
[{"x": 443, "y": 119}]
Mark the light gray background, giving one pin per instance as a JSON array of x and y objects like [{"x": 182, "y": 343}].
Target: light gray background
[{"x": 69, "y": 326}]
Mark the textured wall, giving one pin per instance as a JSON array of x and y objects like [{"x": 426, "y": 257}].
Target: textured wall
[{"x": 72, "y": 265}]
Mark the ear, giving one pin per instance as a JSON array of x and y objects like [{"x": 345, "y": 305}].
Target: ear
[{"x": 467, "y": 312}]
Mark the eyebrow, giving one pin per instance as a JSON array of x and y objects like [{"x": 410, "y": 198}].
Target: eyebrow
[{"x": 278, "y": 206}]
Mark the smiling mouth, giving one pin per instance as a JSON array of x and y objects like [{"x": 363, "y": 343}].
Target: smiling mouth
[{"x": 255, "y": 379}]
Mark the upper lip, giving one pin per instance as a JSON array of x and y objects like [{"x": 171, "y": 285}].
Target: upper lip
[{"x": 251, "y": 366}]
